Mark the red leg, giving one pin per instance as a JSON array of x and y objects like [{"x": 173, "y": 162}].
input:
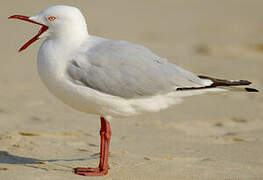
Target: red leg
[{"x": 105, "y": 134}]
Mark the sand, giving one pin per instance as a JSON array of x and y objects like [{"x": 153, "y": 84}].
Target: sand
[{"x": 207, "y": 137}]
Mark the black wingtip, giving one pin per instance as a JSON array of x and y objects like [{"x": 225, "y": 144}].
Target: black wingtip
[
  {"x": 244, "y": 82},
  {"x": 251, "y": 90},
  {"x": 224, "y": 82}
]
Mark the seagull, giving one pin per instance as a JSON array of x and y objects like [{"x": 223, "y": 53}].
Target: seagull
[{"x": 108, "y": 78}]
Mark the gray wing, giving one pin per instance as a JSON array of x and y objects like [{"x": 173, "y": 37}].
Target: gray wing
[{"x": 128, "y": 70}]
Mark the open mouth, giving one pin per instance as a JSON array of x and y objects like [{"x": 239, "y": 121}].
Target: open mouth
[{"x": 36, "y": 37}]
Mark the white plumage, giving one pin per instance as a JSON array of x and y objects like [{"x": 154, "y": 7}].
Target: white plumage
[{"x": 67, "y": 44}]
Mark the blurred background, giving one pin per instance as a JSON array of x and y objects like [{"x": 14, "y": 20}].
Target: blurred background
[{"x": 206, "y": 137}]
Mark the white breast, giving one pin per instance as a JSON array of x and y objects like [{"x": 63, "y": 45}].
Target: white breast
[{"x": 52, "y": 63}]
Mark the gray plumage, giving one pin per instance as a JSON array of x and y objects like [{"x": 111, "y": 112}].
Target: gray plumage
[{"x": 128, "y": 70}]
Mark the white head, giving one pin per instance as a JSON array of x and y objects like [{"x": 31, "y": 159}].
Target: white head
[{"x": 57, "y": 22}]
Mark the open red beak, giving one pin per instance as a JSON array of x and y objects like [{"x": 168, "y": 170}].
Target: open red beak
[{"x": 36, "y": 37}]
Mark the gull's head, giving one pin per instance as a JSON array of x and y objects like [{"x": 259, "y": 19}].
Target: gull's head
[{"x": 57, "y": 22}]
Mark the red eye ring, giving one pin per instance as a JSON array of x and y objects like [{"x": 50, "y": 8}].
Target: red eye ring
[{"x": 51, "y": 18}]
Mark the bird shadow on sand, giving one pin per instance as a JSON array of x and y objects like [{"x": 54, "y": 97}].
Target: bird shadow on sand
[{"x": 6, "y": 158}]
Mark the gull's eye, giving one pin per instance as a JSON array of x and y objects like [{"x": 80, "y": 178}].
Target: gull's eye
[{"x": 51, "y": 18}]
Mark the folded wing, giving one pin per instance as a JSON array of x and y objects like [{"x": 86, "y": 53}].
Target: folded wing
[{"x": 128, "y": 70}]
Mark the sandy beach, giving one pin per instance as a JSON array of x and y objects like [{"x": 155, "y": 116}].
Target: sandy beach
[{"x": 207, "y": 137}]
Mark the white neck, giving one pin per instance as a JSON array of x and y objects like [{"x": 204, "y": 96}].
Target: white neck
[{"x": 73, "y": 36}]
